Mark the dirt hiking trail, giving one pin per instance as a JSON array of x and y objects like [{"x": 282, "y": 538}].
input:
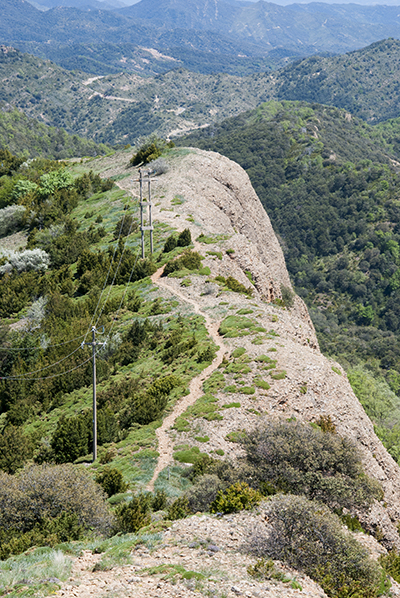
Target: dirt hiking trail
[{"x": 165, "y": 444}]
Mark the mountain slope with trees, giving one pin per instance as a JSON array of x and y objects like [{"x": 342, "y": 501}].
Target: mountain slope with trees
[
  {"x": 31, "y": 138},
  {"x": 365, "y": 82}
]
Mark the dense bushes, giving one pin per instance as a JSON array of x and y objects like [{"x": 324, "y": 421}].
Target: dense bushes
[
  {"x": 48, "y": 504},
  {"x": 298, "y": 458},
  {"x": 73, "y": 437},
  {"x": 307, "y": 536},
  {"x": 237, "y": 497},
  {"x": 184, "y": 239},
  {"x": 112, "y": 481},
  {"x": 15, "y": 448},
  {"x": 190, "y": 260}
]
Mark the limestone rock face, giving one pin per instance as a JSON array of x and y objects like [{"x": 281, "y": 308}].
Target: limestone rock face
[{"x": 213, "y": 197}]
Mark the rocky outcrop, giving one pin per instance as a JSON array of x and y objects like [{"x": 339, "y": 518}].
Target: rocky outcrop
[{"x": 213, "y": 196}]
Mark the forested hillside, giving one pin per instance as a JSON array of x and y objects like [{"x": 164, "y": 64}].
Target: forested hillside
[
  {"x": 31, "y": 138},
  {"x": 365, "y": 82},
  {"x": 121, "y": 108}
]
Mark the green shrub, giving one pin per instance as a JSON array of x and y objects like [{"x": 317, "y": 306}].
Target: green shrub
[
  {"x": 237, "y": 497},
  {"x": 112, "y": 481},
  {"x": 70, "y": 439},
  {"x": 239, "y": 351},
  {"x": 307, "y": 536},
  {"x": 203, "y": 465},
  {"x": 125, "y": 226},
  {"x": 298, "y": 458},
  {"x": 48, "y": 504},
  {"x": 391, "y": 564},
  {"x": 133, "y": 515},
  {"x": 287, "y": 297},
  {"x": 170, "y": 244},
  {"x": 279, "y": 375},
  {"x": 184, "y": 238},
  {"x": 237, "y": 287},
  {"x": 145, "y": 408},
  {"x": 190, "y": 260},
  {"x": 149, "y": 151},
  {"x": 206, "y": 355},
  {"x": 326, "y": 424},
  {"x": 179, "y": 509},
  {"x": 262, "y": 384},
  {"x": 159, "y": 501},
  {"x": 15, "y": 449}
]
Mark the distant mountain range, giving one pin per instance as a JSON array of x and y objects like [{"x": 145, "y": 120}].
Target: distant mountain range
[
  {"x": 233, "y": 36},
  {"x": 121, "y": 107}
]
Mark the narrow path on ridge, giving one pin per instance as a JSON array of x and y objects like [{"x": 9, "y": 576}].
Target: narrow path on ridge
[{"x": 165, "y": 444}]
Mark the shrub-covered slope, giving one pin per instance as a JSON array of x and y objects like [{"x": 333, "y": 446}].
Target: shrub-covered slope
[
  {"x": 216, "y": 286},
  {"x": 31, "y": 138},
  {"x": 364, "y": 82}
]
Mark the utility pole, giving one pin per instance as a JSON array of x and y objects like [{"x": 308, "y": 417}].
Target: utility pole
[
  {"x": 145, "y": 205},
  {"x": 94, "y": 344}
]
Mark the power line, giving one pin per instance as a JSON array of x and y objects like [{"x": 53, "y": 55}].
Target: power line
[
  {"x": 108, "y": 274},
  {"x": 77, "y": 338},
  {"x": 48, "y": 377},
  {"x": 115, "y": 274},
  {"x": 22, "y": 376}
]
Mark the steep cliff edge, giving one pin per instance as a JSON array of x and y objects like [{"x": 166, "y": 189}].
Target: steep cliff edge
[{"x": 213, "y": 197}]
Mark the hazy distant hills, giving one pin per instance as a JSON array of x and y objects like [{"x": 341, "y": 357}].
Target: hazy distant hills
[
  {"x": 121, "y": 107},
  {"x": 366, "y": 82},
  {"x": 235, "y": 37}
]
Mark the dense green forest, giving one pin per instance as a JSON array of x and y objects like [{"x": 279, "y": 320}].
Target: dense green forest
[
  {"x": 331, "y": 187},
  {"x": 31, "y": 138},
  {"x": 365, "y": 82}
]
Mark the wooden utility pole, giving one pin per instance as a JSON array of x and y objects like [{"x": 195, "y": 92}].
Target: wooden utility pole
[
  {"x": 94, "y": 344},
  {"x": 145, "y": 205}
]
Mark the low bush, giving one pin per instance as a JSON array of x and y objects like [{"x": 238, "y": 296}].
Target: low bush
[
  {"x": 147, "y": 153},
  {"x": 184, "y": 238},
  {"x": 237, "y": 497},
  {"x": 307, "y": 536},
  {"x": 298, "y": 458},
  {"x": 204, "y": 492},
  {"x": 133, "y": 515},
  {"x": 15, "y": 449},
  {"x": 125, "y": 226},
  {"x": 11, "y": 219},
  {"x": 112, "y": 481},
  {"x": 179, "y": 509},
  {"x": 28, "y": 260},
  {"x": 190, "y": 260},
  {"x": 287, "y": 297},
  {"x": 53, "y": 502},
  {"x": 159, "y": 501},
  {"x": 170, "y": 244},
  {"x": 391, "y": 564}
]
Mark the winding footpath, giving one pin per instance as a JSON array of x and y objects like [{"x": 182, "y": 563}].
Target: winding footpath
[{"x": 165, "y": 444}]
